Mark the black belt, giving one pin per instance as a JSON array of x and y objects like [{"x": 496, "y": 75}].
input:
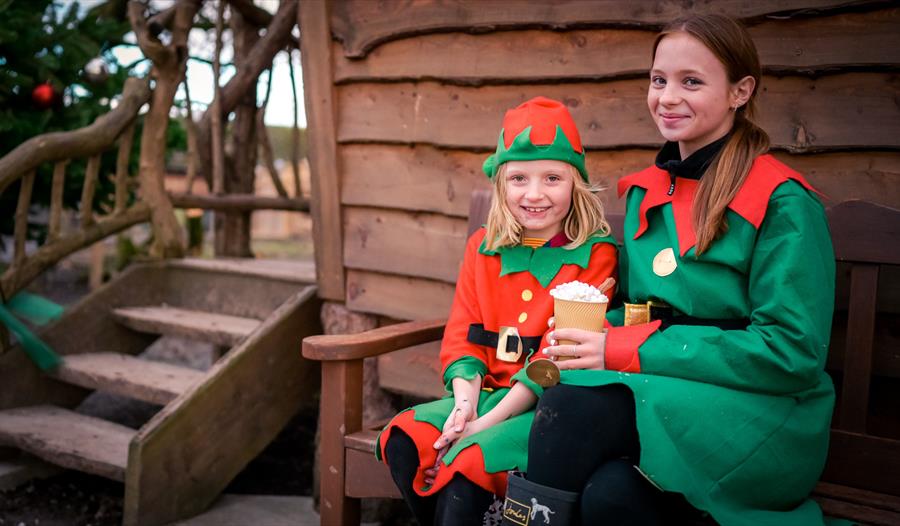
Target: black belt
[
  {"x": 668, "y": 317},
  {"x": 481, "y": 336}
]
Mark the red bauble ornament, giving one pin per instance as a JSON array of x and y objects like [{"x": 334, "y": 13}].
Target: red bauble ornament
[{"x": 43, "y": 95}]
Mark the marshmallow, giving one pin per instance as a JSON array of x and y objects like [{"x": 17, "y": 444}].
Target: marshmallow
[{"x": 578, "y": 291}]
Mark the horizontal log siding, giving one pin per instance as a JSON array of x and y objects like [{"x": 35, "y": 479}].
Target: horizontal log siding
[
  {"x": 417, "y": 114},
  {"x": 360, "y": 24},
  {"x": 853, "y": 110},
  {"x": 423, "y": 178},
  {"x": 827, "y": 43}
]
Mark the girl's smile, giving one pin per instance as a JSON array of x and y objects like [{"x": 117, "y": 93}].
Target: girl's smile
[
  {"x": 690, "y": 96},
  {"x": 539, "y": 195}
]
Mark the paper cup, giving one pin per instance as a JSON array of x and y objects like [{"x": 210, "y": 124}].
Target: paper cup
[{"x": 578, "y": 315}]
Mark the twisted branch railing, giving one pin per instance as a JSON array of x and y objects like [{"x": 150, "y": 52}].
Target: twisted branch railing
[{"x": 114, "y": 128}]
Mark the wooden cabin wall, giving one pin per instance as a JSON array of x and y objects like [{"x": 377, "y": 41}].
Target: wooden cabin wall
[{"x": 418, "y": 90}]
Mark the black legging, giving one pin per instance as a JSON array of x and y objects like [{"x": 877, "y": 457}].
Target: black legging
[
  {"x": 461, "y": 502},
  {"x": 585, "y": 440}
]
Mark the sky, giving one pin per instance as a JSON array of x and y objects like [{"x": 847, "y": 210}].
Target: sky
[{"x": 280, "y": 111}]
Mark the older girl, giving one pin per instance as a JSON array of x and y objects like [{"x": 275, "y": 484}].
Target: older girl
[
  {"x": 545, "y": 227},
  {"x": 714, "y": 388}
]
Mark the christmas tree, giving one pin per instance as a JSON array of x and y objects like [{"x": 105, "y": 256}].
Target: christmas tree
[{"x": 58, "y": 73}]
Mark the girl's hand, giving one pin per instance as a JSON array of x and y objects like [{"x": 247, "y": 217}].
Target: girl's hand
[
  {"x": 463, "y": 413},
  {"x": 590, "y": 349},
  {"x": 432, "y": 472}
]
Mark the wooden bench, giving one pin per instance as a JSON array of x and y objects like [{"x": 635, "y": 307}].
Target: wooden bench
[{"x": 862, "y": 476}]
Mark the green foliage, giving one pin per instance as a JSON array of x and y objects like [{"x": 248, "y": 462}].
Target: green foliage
[
  {"x": 52, "y": 41},
  {"x": 46, "y": 41}
]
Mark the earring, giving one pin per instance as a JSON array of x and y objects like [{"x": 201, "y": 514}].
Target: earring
[{"x": 732, "y": 109}]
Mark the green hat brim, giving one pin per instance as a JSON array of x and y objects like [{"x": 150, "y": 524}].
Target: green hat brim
[{"x": 522, "y": 149}]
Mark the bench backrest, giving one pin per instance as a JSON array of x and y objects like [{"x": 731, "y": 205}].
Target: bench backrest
[{"x": 863, "y": 358}]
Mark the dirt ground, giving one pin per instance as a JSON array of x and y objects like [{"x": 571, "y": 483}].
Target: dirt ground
[{"x": 76, "y": 499}]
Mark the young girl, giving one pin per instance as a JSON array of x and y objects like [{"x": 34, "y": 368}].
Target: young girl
[
  {"x": 545, "y": 227},
  {"x": 728, "y": 275}
]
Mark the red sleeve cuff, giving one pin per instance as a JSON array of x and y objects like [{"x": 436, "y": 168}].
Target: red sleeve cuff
[{"x": 622, "y": 345}]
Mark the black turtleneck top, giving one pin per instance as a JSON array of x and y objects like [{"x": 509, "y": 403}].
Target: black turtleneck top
[{"x": 669, "y": 159}]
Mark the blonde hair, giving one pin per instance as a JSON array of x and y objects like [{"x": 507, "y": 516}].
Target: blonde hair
[
  {"x": 584, "y": 220},
  {"x": 734, "y": 48}
]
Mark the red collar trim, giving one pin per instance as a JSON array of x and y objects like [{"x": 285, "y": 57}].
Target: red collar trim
[
  {"x": 559, "y": 240},
  {"x": 751, "y": 201}
]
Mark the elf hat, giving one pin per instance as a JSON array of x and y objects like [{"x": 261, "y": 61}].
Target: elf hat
[{"x": 538, "y": 129}]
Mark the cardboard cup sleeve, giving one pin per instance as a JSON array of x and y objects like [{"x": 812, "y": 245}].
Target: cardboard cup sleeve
[{"x": 568, "y": 315}]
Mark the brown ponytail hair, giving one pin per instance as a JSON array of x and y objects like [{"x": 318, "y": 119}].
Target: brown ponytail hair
[{"x": 734, "y": 48}]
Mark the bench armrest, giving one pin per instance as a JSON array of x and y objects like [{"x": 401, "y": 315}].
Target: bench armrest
[{"x": 342, "y": 347}]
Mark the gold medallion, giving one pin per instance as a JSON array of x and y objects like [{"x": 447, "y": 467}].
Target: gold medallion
[
  {"x": 545, "y": 373},
  {"x": 664, "y": 262}
]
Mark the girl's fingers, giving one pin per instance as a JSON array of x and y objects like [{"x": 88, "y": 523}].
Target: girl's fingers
[
  {"x": 446, "y": 439},
  {"x": 459, "y": 421},
  {"x": 570, "y": 351},
  {"x": 584, "y": 362},
  {"x": 578, "y": 335},
  {"x": 440, "y": 456}
]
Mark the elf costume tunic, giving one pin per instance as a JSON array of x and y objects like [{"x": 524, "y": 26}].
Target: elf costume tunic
[
  {"x": 507, "y": 287},
  {"x": 736, "y": 420}
]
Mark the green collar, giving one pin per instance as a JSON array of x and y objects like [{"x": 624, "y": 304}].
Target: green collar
[{"x": 543, "y": 262}]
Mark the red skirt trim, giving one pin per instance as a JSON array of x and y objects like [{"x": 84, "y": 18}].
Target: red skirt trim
[{"x": 468, "y": 463}]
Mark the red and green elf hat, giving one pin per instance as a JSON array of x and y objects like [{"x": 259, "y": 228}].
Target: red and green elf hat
[{"x": 538, "y": 129}]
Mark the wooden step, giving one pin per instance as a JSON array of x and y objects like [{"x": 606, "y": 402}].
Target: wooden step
[
  {"x": 220, "y": 329},
  {"x": 146, "y": 380},
  {"x": 68, "y": 439}
]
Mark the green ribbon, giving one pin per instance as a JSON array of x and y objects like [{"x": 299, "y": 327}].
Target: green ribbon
[{"x": 39, "y": 352}]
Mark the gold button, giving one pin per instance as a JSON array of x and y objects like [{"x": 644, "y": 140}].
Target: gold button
[
  {"x": 523, "y": 317},
  {"x": 664, "y": 262},
  {"x": 527, "y": 295}
]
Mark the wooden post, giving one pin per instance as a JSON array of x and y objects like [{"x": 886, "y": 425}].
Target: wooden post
[
  {"x": 87, "y": 191},
  {"x": 343, "y": 415},
  {"x": 21, "y": 223},
  {"x": 233, "y": 228},
  {"x": 95, "y": 276},
  {"x": 265, "y": 145},
  {"x": 56, "y": 199},
  {"x": 191, "y": 128},
  {"x": 218, "y": 152},
  {"x": 125, "y": 141},
  {"x": 858, "y": 350},
  {"x": 315, "y": 42},
  {"x": 169, "y": 63},
  {"x": 295, "y": 131}
]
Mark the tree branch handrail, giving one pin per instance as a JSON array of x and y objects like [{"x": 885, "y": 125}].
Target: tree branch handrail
[
  {"x": 239, "y": 202},
  {"x": 83, "y": 142},
  {"x": 60, "y": 148}
]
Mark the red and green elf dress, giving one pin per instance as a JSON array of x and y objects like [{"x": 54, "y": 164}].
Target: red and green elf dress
[
  {"x": 506, "y": 287},
  {"x": 736, "y": 419}
]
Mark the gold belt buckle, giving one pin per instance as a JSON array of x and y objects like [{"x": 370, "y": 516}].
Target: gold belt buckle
[
  {"x": 637, "y": 313},
  {"x": 502, "y": 353}
]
